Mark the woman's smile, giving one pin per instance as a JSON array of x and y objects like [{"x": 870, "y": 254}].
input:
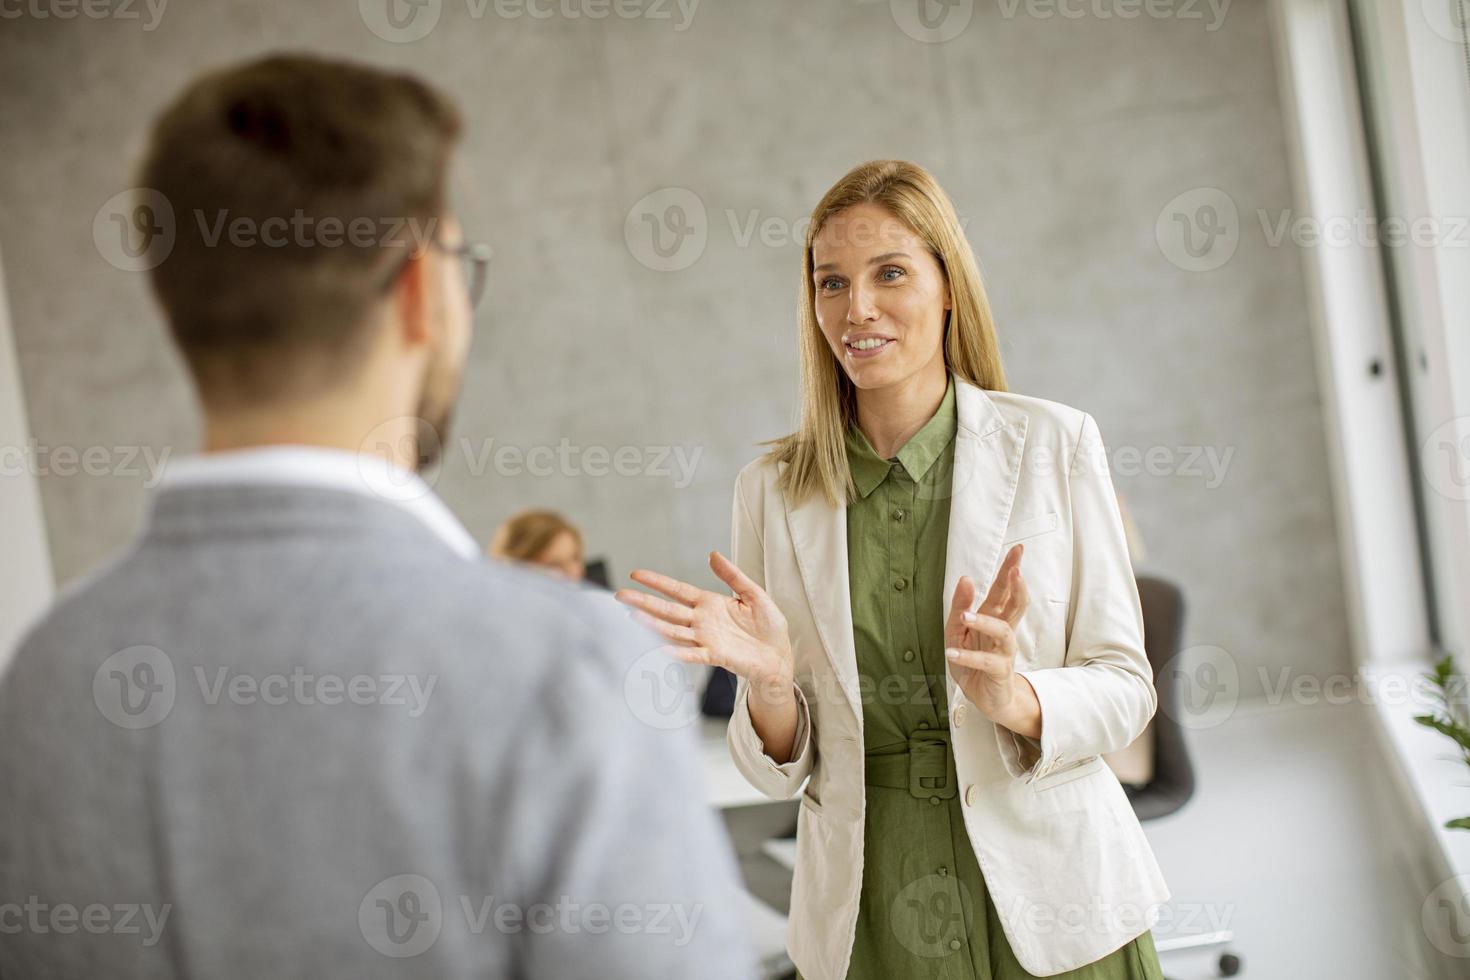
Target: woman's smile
[{"x": 863, "y": 346}]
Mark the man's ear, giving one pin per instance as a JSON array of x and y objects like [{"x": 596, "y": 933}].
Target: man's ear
[{"x": 411, "y": 299}]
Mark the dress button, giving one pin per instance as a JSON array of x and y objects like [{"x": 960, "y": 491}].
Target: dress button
[
  {"x": 898, "y": 513},
  {"x": 943, "y": 871},
  {"x": 954, "y": 944},
  {"x": 959, "y": 715},
  {"x": 972, "y": 793},
  {"x": 934, "y": 800},
  {"x": 923, "y": 724},
  {"x": 908, "y": 656},
  {"x": 899, "y": 584}
]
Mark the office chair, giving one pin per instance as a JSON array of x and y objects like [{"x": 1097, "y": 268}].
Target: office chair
[
  {"x": 598, "y": 573},
  {"x": 1172, "y": 782}
]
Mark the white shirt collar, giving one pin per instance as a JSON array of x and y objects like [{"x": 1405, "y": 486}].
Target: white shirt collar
[{"x": 366, "y": 474}]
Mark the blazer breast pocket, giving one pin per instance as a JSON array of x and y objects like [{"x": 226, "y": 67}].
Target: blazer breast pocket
[{"x": 1030, "y": 527}]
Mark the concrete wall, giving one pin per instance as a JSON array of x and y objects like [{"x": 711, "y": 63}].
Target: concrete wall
[{"x": 1066, "y": 143}]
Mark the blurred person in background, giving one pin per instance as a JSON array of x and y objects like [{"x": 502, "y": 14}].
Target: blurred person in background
[
  {"x": 300, "y": 723},
  {"x": 543, "y": 540},
  {"x": 956, "y": 819}
]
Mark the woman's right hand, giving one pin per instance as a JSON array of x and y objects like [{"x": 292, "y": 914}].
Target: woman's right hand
[{"x": 745, "y": 633}]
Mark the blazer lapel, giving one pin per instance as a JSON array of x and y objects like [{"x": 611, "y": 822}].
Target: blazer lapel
[
  {"x": 819, "y": 535},
  {"x": 987, "y": 468}
]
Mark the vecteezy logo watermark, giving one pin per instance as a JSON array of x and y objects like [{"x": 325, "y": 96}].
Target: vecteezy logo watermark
[
  {"x": 1199, "y": 230},
  {"x": 138, "y": 687},
  {"x": 1362, "y": 228},
  {"x": 1445, "y": 459},
  {"x": 91, "y": 9},
  {"x": 38, "y": 459},
  {"x": 134, "y": 229},
  {"x": 1210, "y": 464},
  {"x": 660, "y": 691},
  {"x": 1447, "y": 18},
  {"x": 1106, "y": 918},
  {"x": 300, "y": 687},
  {"x": 403, "y": 21},
  {"x": 401, "y": 916},
  {"x": 1445, "y": 916},
  {"x": 667, "y": 230},
  {"x": 1208, "y": 684},
  {"x": 135, "y": 688},
  {"x": 400, "y": 21},
  {"x": 932, "y": 915},
  {"x": 41, "y": 918},
  {"x": 566, "y": 459},
  {"x": 479, "y": 457},
  {"x": 932, "y": 21},
  {"x": 404, "y": 916},
  {"x": 1359, "y": 687},
  {"x": 1121, "y": 10},
  {"x": 392, "y": 455}
]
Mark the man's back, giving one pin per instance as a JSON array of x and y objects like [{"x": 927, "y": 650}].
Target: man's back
[{"x": 292, "y": 732}]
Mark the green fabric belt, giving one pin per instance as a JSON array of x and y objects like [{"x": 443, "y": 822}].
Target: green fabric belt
[{"x": 924, "y": 765}]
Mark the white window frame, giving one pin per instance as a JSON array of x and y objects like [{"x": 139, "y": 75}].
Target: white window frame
[
  {"x": 1376, "y": 472},
  {"x": 26, "y": 579}
]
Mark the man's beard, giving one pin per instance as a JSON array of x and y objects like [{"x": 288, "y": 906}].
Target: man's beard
[{"x": 439, "y": 392}]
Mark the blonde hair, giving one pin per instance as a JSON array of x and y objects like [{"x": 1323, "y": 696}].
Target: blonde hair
[
  {"x": 815, "y": 455},
  {"x": 526, "y": 535}
]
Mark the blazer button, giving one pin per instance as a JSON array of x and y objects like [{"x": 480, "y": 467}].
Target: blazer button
[{"x": 972, "y": 793}]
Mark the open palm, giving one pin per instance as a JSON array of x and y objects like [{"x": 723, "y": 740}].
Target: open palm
[
  {"x": 745, "y": 633},
  {"x": 986, "y": 639}
]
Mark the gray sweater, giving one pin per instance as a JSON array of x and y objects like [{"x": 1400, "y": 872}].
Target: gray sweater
[{"x": 291, "y": 733}]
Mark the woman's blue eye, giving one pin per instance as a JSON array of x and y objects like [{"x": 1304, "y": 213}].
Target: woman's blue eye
[
  {"x": 893, "y": 269},
  {"x": 831, "y": 283}
]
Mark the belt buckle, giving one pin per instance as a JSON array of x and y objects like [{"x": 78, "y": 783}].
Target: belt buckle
[{"x": 931, "y": 766}]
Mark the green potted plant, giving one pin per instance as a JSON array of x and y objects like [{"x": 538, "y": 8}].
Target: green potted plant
[{"x": 1451, "y": 717}]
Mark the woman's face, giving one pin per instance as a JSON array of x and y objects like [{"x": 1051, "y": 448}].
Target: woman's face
[
  {"x": 562, "y": 557},
  {"x": 880, "y": 294}
]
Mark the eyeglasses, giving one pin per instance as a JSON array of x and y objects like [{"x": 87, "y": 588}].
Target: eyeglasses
[{"x": 474, "y": 260}]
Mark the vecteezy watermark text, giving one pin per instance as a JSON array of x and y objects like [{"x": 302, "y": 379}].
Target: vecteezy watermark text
[
  {"x": 404, "y": 915},
  {"x": 39, "y": 459},
  {"x": 90, "y": 9},
  {"x": 39, "y": 917},
  {"x": 137, "y": 688}
]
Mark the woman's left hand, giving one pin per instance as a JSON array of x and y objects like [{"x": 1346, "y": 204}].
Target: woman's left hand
[{"x": 981, "y": 646}]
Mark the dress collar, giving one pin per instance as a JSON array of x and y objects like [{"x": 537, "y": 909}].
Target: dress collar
[{"x": 916, "y": 456}]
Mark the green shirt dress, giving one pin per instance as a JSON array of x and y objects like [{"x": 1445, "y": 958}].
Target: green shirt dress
[{"x": 924, "y": 911}]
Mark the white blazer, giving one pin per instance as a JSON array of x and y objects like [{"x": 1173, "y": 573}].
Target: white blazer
[{"x": 1067, "y": 865}]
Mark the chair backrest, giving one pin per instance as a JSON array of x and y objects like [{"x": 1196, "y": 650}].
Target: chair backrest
[
  {"x": 598, "y": 573},
  {"x": 1163, "y": 628}
]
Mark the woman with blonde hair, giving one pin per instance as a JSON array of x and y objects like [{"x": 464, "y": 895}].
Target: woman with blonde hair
[
  {"x": 542, "y": 539},
  {"x": 956, "y": 817}
]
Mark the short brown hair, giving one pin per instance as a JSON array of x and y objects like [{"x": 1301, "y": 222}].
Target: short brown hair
[{"x": 291, "y": 150}]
